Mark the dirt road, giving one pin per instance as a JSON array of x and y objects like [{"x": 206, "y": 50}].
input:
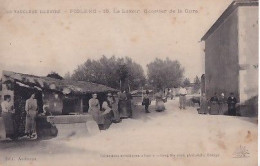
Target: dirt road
[{"x": 174, "y": 137}]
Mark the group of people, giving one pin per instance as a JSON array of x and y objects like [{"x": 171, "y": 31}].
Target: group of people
[
  {"x": 121, "y": 107},
  {"x": 218, "y": 105},
  {"x": 8, "y": 114},
  {"x": 160, "y": 99},
  {"x": 215, "y": 106}
]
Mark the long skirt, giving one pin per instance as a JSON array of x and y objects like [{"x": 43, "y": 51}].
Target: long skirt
[
  {"x": 2, "y": 129},
  {"x": 223, "y": 108},
  {"x": 8, "y": 123},
  {"x": 214, "y": 109},
  {"x": 203, "y": 108},
  {"x": 129, "y": 108},
  {"x": 116, "y": 117},
  {"x": 30, "y": 125},
  {"x": 159, "y": 106},
  {"x": 232, "y": 111},
  {"x": 107, "y": 116},
  {"x": 97, "y": 115},
  {"x": 122, "y": 107}
]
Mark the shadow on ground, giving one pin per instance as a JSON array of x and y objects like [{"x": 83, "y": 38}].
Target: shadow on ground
[{"x": 35, "y": 147}]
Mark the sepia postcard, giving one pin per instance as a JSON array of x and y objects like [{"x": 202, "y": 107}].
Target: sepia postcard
[{"x": 129, "y": 83}]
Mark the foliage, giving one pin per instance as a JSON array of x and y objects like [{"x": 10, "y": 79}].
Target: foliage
[
  {"x": 113, "y": 72},
  {"x": 67, "y": 76},
  {"x": 186, "y": 82},
  {"x": 165, "y": 73},
  {"x": 55, "y": 75},
  {"x": 196, "y": 80},
  {"x": 196, "y": 86}
]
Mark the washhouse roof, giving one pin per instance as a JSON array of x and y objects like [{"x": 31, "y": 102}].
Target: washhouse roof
[{"x": 64, "y": 86}]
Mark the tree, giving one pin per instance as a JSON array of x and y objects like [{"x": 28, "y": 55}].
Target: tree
[
  {"x": 67, "y": 76},
  {"x": 165, "y": 73},
  {"x": 186, "y": 82},
  {"x": 55, "y": 75},
  {"x": 196, "y": 80},
  {"x": 113, "y": 72},
  {"x": 135, "y": 74},
  {"x": 123, "y": 75},
  {"x": 196, "y": 86}
]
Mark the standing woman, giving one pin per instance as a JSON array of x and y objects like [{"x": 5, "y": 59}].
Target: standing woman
[
  {"x": 223, "y": 107},
  {"x": 116, "y": 118},
  {"x": 129, "y": 104},
  {"x": 122, "y": 104},
  {"x": 214, "y": 105},
  {"x": 159, "y": 106},
  {"x": 31, "y": 109},
  {"x": 8, "y": 125},
  {"x": 203, "y": 104},
  {"x": 94, "y": 109}
]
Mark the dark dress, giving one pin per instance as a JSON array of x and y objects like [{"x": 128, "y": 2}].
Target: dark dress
[
  {"x": 214, "y": 105},
  {"x": 116, "y": 118},
  {"x": 232, "y": 101},
  {"x": 122, "y": 105},
  {"x": 129, "y": 104},
  {"x": 223, "y": 107},
  {"x": 203, "y": 105},
  {"x": 146, "y": 102},
  {"x": 8, "y": 116}
]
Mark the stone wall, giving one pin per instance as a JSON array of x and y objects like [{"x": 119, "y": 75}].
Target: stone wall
[{"x": 221, "y": 58}]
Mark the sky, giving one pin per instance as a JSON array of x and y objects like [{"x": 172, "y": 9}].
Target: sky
[{"x": 43, "y": 42}]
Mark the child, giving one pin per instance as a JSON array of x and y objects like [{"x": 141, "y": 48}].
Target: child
[{"x": 146, "y": 101}]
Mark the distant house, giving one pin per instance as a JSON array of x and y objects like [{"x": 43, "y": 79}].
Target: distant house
[
  {"x": 231, "y": 54},
  {"x": 62, "y": 96},
  {"x": 193, "y": 88}
]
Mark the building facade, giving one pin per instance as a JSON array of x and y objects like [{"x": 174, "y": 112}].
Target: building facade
[{"x": 231, "y": 55}]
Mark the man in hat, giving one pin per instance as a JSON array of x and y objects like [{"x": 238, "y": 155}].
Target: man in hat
[
  {"x": 146, "y": 101},
  {"x": 232, "y": 101}
]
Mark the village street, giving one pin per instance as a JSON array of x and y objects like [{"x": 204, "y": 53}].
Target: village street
[{"x": 174, "y": 137}]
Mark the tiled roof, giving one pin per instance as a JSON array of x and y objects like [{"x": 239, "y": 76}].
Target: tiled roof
[{"x": 64, "y": 86}]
